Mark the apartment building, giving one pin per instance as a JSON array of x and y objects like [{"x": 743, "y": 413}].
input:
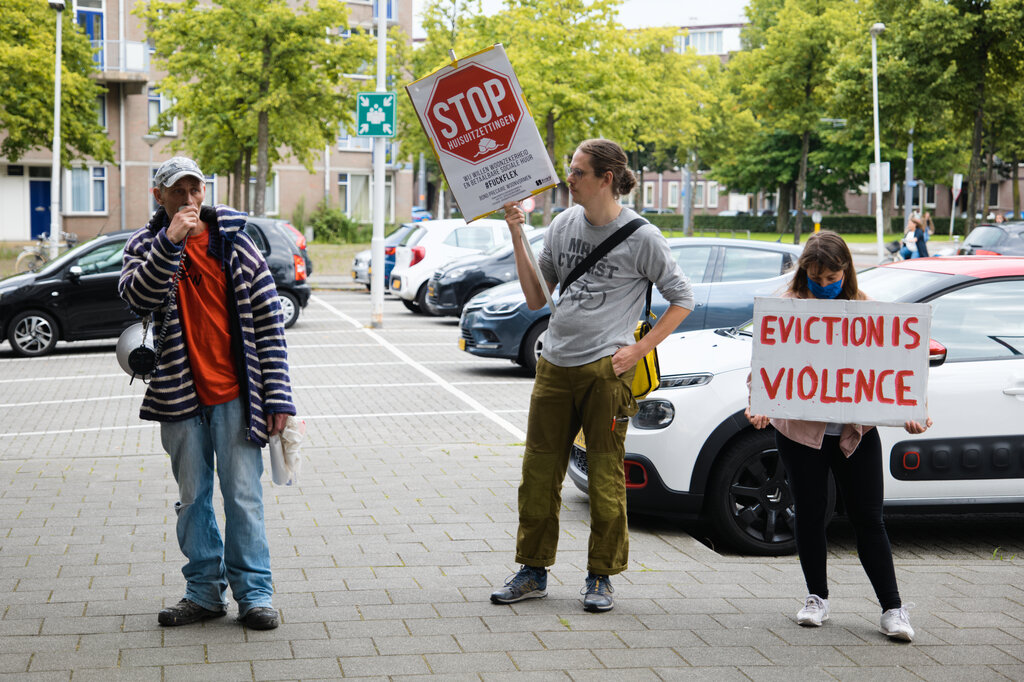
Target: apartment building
[{"x": 101, "y": 197}]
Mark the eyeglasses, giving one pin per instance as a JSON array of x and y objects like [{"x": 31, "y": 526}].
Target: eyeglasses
[{"x": 575, "y": 173}]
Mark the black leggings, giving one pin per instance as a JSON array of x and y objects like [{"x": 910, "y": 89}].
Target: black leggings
[{"x": 859, "y": 480}]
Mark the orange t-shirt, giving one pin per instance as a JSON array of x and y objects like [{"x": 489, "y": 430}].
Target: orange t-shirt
[{"x": 202, "y": 299}]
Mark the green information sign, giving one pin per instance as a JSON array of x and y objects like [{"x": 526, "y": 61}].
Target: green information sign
[{"x": 375, "y": 114}]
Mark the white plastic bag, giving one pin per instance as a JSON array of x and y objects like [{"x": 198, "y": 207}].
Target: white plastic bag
[{"x": 285, "y": 452}]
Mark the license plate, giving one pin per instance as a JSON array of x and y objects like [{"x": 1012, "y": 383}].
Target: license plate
[
  {"x": 353, "y": 274},
  {"x": 579, "y": 442},
  {"x": 462, "y": 344},
  {"x": 430, "y": 291}
]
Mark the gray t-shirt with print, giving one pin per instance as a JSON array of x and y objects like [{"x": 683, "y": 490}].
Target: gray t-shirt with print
[{"x": 599, "y": 312}]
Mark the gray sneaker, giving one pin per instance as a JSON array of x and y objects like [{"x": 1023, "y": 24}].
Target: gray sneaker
[
  {"x": 528, "y": 583},
  {"x": 597, "y": 594},
  {"x": 896, "y": 624}
]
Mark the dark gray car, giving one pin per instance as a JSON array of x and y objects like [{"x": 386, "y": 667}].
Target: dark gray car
[{"x": 726, "y": 275}]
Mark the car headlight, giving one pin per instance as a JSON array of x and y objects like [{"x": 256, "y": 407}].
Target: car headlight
[
  {"x": 502, "y": 308},
  {"x": 453, "y": 274},
  {"x": 685, "y": 380},
  {"x": 654, "y": 414}
]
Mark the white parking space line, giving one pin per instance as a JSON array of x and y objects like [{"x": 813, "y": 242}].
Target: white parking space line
[
  {"x": 76, "y": 377},
  {"x": 517, "y": 433},
  {"x": 65, "y": 401},
  {"x": 361, "y": 345}
]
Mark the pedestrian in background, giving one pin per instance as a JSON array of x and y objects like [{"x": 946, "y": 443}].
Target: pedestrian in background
[
  {"x": 809, "y": 449},
  {"x": 219, "y": 390},
  {"x": 585, "y": 372}
]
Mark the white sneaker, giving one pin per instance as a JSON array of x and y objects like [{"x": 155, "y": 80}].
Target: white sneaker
[
  {"x": 814, "y": 612},
  {"x": 896, "y": 623}
]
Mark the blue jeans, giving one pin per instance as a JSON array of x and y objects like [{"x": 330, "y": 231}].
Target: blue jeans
[{"x": 243, "y": 559}]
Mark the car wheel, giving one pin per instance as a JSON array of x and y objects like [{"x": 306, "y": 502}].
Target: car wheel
[
  {"x": 533, "y": 343},
  {"x": 290, "y": 308},
  {"x": 422, "y": 304},
  {"x": 411, "y": 306},
  {"x": 32, "y": 334},
  {"x": 749, "y": 502}
]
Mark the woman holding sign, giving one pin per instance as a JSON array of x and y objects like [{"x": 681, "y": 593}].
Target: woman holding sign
[{"x": 854, "y": 454}]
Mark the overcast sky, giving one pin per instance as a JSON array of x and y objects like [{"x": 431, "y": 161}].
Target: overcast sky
[{"x": 638, "y": 13}]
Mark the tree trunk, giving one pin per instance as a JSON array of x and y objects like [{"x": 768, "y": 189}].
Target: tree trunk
[
  {"x": 262, "y": 139},
  {"x": 236, "y": 183},
  {"x": 974, "y": 169},
  {"x": 246, "y": 171},
  {"x": 782, "y": 211},
  {"x": 888, "y": 199},
  {"x": 1015, "y": 177},
  {"x": 801, "y": 185},
  {"x": 549, "y": 144}
]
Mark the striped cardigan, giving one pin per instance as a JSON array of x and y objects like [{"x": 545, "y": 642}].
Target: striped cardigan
[{"x": 150, "y": 260}]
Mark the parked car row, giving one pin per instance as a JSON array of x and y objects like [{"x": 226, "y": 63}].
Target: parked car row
[
  {"x": 74, "y": 297},
  {"x": 690, "y": 452}
]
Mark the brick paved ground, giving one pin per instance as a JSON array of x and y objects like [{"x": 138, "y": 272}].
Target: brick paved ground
[{"x": 403, "y": 523}]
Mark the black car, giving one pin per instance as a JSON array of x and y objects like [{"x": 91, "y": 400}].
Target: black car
[
  {"x": 463, "y": 278},
  {"x": 995, "y": 239},
  {"x": 287, "y": 262},
  {"x": 74, "y": 297}
]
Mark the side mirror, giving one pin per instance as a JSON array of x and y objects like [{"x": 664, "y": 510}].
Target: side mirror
[
  {"x": 936, "y": 353},
  {"x": 75, "y": 271}
]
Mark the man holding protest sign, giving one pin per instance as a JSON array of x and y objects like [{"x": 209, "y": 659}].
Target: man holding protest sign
[
  {"x": 585, "y": 373},
  {"x": 810, "y": 447}
]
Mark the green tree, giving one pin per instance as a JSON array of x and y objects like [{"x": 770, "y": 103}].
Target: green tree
[
  {"x": 582, "y": 74},
  {"x": 256, "y": 77},
  {"x": 784, "y": 75},
  {"x": 27, "y": 37},
  {"x": 952, "y": 52}
]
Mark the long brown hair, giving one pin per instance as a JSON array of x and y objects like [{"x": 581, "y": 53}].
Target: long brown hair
[{"x": 826, "y": 250}]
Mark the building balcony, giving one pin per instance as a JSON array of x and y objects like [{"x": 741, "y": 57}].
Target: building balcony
[{"x": 125, "y": 62}]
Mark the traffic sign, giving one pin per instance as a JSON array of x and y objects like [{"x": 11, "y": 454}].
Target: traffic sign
[
  {"x": 473, "y": 113},
  {"x": 486, "y": 141},
  {"x": 375, "y": 114},
  {"x": 528, "y": 204}
]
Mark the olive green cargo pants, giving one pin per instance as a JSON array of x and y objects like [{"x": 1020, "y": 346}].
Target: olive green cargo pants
[{"x": 564, "y": 400}]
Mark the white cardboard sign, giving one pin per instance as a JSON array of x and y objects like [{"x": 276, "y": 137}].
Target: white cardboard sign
[
  {"x": 482, "y": 132},
  {"x": 851, "y": 362}
]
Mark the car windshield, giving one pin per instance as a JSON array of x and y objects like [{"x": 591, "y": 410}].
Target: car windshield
[
  {"x": 985, "y": 236},
  {"x": 413, "y": 237},
  {"x": 895, "y": 284},
  {"x": 60, "y": 261}
]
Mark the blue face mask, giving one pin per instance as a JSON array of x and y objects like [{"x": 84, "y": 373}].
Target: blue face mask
[{"x": 831, "y": 291}]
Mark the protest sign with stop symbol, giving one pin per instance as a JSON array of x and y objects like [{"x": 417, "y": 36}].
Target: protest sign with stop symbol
[
  {"x": 486, "y": 141},
  {"x": 473, "y": 113}
]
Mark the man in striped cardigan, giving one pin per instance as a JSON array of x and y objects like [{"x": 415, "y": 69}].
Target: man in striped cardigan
[{"x": 219, "y": 390}]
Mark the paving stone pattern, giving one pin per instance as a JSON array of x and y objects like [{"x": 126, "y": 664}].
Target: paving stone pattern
[{"x": 404, "y": 521}]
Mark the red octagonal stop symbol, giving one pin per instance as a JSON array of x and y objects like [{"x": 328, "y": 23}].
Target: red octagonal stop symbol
[{"x": 473, "y": 113}]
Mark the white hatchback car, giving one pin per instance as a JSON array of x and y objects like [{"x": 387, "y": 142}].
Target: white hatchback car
[
  {"x": 432, "y": 244},
  {"x": 690, "y": 452}
]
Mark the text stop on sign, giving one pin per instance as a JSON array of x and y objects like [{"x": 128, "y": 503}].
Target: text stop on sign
[{"x": 473, "y": 113}]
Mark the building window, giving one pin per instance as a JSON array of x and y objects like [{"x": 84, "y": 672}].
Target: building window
[
  {"x": 390, "y": 4},
  {"x": 269, "y": 196},
  {"x": 993, "y": 193},
  {"x": 343, "y": 189},
  {"x": 703, "y": 42},
  {"x": 712, "y": 195},
  {"x": 929, "y": 196},
  {"x": 673, "y": 194},
  {"x": 211, "y": 191},
  {"x": 88, "y": 189},
  {"x": 648, "y": 194},
  {"x": 89, "y": 15},
  {"x": 101, "y": 110},
  {"x": 698, "y": 194},
  {"x": 157, "y": 105},
  {"x": 348, "y": 142}
]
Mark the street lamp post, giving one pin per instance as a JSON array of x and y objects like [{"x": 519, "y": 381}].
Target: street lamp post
[
  {"x": 875, "y": 30},
  {"x": 55, "y": 173}
]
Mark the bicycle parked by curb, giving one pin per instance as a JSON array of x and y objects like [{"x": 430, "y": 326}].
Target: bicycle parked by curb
[{"x": 34, "y": 256}]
